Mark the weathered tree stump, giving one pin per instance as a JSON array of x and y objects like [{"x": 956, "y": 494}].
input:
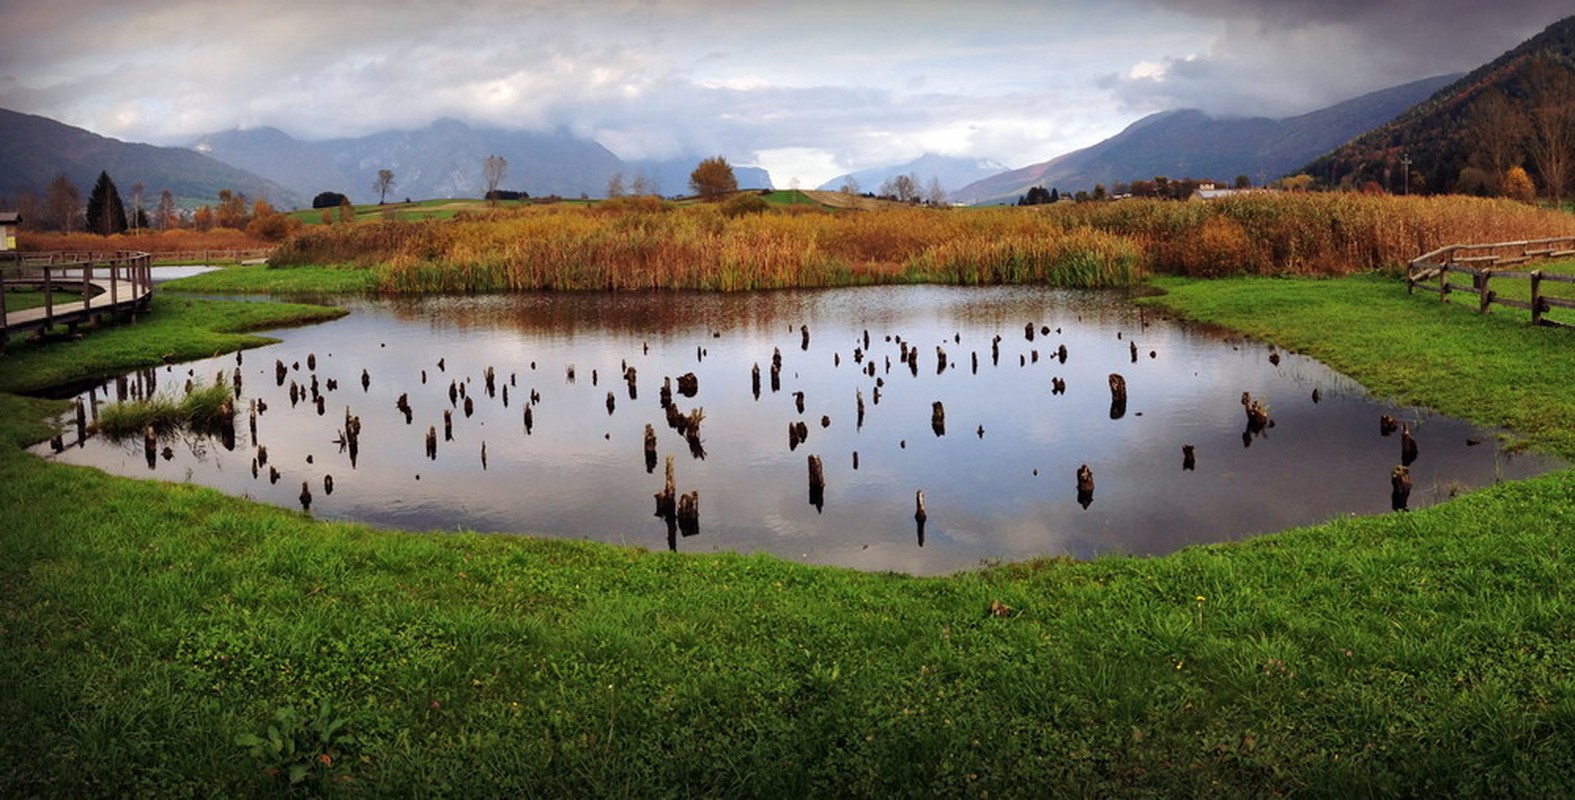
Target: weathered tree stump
[
  {"x": 328, "y": 484},
  {"x": 1085, "y": 486},
  {"x": 262, "y": 451},
  {"x": 470, "y": 406},
  {"x": 1400, "y": 487},
  {"x": 667, "y": 498},
  {"x": 431, "y": 443},
  {"x": 1118, "y": 396},
  {"x": 938, "y": 418},
  {"x": 448, "y": 424},
  {"x": 754, "y": 380},
  {"x": 306, "y": 496},
  {"x": 1057, "y": 386},
  {"x": 689, "y": 513},
  {"x": 940, "y": 359},
  {"x": 311, "y": 361},
  {"x": 650, "y": 449},
  {"x": 1257, "y": 415},
  {"x": 1407, "y": 446},
  {"x": 1028, "y": 331},
  {"x": 366, "y": 380},
  {"x": 859, "y": 396},
  {"x": 804, "y": 337},
  {"x": 817, "y": 483},
  {"x": 612, "y": 402},
  {"x": 453, "y": 393},
  {"x": 489, "y": 377},
  {"x": 1387, "y": 425},
  {"x": 1132, "y": 346},
  {"x": 688, "y": 384},
  {"x": 279, "y": 372}
]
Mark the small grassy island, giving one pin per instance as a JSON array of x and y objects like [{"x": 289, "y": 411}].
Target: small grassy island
[{"x": 158, "y": 639}]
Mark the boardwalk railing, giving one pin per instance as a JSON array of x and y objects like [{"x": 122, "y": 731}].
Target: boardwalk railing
[
  {"x": 1485, "y": 263},
  {"x": 212, "y": 256},
  {"x": 75, "y": 287}
]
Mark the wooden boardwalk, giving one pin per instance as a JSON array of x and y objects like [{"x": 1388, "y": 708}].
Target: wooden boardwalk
[{"x": 77, "y": 287}]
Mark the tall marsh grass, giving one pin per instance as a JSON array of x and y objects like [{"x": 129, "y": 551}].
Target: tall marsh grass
[{"x": 648, "y": 244}]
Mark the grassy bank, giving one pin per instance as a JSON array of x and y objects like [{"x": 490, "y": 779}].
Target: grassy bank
[
  {"x": 144, "y": 637},
  {"x": 178, "y": 329}
]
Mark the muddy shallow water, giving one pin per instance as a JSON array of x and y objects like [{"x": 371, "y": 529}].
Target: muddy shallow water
[{"x": 999, "y": 483}]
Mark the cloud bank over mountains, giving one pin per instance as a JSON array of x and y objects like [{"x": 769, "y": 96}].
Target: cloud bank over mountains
[{"x": 809, "y": 90}]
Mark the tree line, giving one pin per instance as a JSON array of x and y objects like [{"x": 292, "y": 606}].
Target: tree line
[{"x": 106, "y": 212}]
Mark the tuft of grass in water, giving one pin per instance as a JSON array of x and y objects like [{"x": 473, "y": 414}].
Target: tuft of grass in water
[{"x": 205, "y": 409}]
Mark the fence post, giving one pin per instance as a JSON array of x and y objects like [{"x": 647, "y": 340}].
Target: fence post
[
  {"x": 1536, "y": 297},
  {"x": 49, "y": 300},
  {"x": 87, "y": 286},
  {"x": 1443, "y": 282},
  {"x": 1484, "y": 297}
]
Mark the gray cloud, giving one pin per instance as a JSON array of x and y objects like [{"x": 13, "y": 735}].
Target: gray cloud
[
  {"x": 841, "y": 85},
  {"x": 1286, "y": 57}
]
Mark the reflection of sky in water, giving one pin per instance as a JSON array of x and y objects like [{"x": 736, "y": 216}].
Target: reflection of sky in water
[{"x": 581, "y": 472}]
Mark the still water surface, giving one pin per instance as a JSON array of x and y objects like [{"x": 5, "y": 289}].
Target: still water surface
[{"x": 1000, "y": 483}]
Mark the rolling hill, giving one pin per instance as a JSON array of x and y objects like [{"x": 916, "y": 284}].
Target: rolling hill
[
  {"x": 1192, "y": 144},
  {"x": 37, "y": 149}
]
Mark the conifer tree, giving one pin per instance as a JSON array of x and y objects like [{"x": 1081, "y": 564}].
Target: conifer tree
[{"x": 105, "y": 213}]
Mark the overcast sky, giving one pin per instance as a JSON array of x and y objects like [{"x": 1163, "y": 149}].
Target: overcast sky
[{"x": 809, "y": 90}]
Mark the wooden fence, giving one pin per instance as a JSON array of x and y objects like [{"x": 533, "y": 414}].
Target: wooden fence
[
  {"x": 212, "y": 256},
  {"x": 1485, "y": 263}
]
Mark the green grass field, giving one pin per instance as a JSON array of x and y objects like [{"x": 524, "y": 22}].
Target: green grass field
[{"x": 164, "y": 640}]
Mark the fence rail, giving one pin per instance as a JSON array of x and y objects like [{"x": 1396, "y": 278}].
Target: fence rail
[
  {"x": 103, "y": 282},
  {"x": 213, "y": 256},
  {"x": 1485, "y": 263}
]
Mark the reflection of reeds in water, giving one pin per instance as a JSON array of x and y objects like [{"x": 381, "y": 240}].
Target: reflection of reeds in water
[
  {"x": 655, "y": 245},
  {"x": 206, "y": 409}
]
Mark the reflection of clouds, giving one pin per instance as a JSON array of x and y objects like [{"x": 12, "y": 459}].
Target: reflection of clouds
[{"x": 581, "y": 472}]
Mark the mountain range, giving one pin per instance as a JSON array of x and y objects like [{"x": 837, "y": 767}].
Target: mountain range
[
  {"x": 444, "y": 159},
  {"x": 1191, "y": 144},
  {"x": 952, "y": 173}
]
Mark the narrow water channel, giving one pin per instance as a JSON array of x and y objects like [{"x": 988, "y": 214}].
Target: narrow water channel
[{"x": 1000, "y": 479}]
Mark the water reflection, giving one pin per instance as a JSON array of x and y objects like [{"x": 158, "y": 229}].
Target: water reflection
[{"x": 865, "y": 381}]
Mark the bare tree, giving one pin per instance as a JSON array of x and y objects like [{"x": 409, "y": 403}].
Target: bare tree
[
  {"x": 1498, "y": 128},
  {"x": 383, "y": 185},
  {"x": 493, "y": 169},
  {"x": 905, "y": 188},
  {"x": 165, "y": 216},
  {"x": 64, "y": 203},
  {"x": 137, "y": 213},
  {"x": 615, "y": 185},
  {"x": 1552, "y": 123},
  {"x": 850, "y": 185},
  {"x": 934, "y": 194}
]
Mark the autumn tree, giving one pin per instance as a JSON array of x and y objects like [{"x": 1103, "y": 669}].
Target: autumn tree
[
  {"x": 383, "y": 185},
  {"x": 1518, "y": 185},
  {"x": 346, "y": 211},
  {"x": 713, "y": 178},
  {"x": 231, "y": 212},
  {"x": 493, "y": 170},
  {"x": 268, "y": 223},
  {"x": 202, "y": 219},
  {"x": 63, "y": 203},
  {"x": 106, "y": 215}
]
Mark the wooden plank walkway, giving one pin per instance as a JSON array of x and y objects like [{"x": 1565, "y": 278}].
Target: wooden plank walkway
[{"x": 101, "y": 283}]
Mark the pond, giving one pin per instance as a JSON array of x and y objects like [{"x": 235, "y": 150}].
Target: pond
[{"x": 556, "y": 446}]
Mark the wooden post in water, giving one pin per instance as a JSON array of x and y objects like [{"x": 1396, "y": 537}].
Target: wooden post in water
[{"x": 817, "y": 483}]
